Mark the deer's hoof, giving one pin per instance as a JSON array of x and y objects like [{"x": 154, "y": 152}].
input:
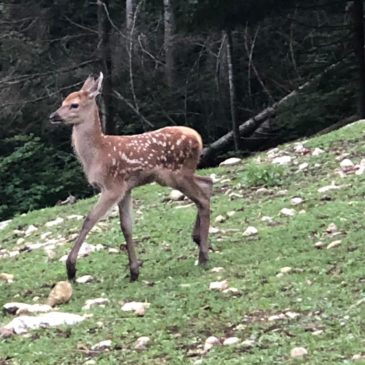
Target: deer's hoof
[
  {"x": 134, "y": 276},
  {"x": 203, "y": 258}
]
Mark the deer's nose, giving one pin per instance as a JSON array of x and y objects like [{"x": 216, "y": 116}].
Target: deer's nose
[{"x": 55, "y": 118}]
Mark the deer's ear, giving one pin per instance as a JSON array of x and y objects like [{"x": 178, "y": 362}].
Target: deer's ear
[
  {"x": 89, "y": 82},
  {"x": 96, "y": 87}
]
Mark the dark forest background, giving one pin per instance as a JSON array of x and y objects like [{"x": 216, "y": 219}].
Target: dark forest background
[{"x": 246, "y": 74}]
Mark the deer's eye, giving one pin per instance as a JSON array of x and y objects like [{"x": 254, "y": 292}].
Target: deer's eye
[{"x": 74, "y": 106}]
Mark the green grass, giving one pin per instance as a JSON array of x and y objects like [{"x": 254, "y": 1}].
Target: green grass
[{"x": 323, "y": 286}]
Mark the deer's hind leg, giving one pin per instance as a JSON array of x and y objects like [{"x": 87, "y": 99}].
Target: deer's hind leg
[
  {"x": 199, "y": 190},
  {"x": 206, "y": 185}
]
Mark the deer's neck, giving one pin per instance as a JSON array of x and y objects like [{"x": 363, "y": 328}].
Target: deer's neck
[{"x": 87, "y": 138}]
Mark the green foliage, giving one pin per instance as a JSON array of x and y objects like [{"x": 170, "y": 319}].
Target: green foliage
[
  {"x": 34, "y": 175},
  {"x": 264, "y": 174}
]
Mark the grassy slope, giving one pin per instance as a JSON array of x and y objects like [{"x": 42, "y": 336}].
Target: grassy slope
[{"x": 323, "y": 286}]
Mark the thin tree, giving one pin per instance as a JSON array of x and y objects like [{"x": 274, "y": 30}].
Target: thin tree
[{"x": 169, "y": 27}]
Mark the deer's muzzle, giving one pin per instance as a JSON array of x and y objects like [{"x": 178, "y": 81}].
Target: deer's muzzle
[{"x": 54, "y": 118}]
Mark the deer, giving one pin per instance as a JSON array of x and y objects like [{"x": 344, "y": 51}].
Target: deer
[{"x": 115, "y": 164}]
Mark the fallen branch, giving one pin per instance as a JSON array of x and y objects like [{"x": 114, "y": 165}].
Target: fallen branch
[{"x": 224, "y": 143}]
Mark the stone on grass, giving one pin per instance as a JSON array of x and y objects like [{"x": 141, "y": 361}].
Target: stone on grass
[
  {"x": 217, "y": 269},
  {"x": 85, "y": 279},
  {"x": 326, "y": 188},
  {"x": 282, "y": 160},
  {"x": 97, "y": 302},
  {"x": 267, "y": 219},
  {"x": 286, "y": 269},
  {"x": 6, "y": 332},
  {"x": 219, "y": 285},
  {"x": 102, "y": 345},
  {"x": 276, "y": 317},
  {"x": 317, "y": 151},
  {"x": 141, "y": 343},
  {"x": 113, "y": 250},
  {"x": 210, "y": 342},
  {"x": 230, "y": 161},
  {"x": 30, "y": 230},
  {"x": 319, "y": 244},
  {"x": 298, "y": 352},
  {"x": 332, "y": 228},
  {"x": 219, "y": 219},
  {"x": 60, "y": 294},
  {"x": 303, "y": 166},
  {"x": 23, "y": 308},
  {"x": 85, "y": 250},
  {"x": 231, "y": 213},
  {"x": 250, "y": 231},
  {"x": 358, "y": 357},
  {"x": 137, "y": 307},
  {"x": 176, "y": 195},
  {"x": 55, "y": 222},
  {"x": 231, "y": 341},
  {"x": 346, "y": 164},
  {"x": 296, "y": 200},
  {"x": 23, "y": 324},
  {"x": 288, "y": 212},
  {"x": 213, "y": 230},
  {"x": 8, "y": 278},
  {"x": 334, "y": 244}
]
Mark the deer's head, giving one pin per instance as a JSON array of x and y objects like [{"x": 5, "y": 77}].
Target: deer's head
[{"x": 75, "y": 109}]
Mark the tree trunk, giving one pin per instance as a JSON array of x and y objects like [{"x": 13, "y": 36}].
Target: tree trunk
[
  {"x": 358, "y": 24},
  {"x": 106, "y": 67},
  {"x": 130, "y": 8},
  {"x": 169, "y": 23},
  {"x": 232, "y": 90},
  {"x": 224, "y": 143}
]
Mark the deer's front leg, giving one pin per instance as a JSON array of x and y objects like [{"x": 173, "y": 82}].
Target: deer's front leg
[
  {"x": 125, "y": 214},
  {"x": 107, "y": 200}
]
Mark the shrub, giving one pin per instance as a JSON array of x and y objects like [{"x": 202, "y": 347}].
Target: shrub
[
  {"x": 264, "y": 175},
  {"x": 35, "y": 175}
]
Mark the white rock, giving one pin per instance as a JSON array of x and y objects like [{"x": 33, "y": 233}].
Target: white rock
[
  {"x": 334, "y": 244},
  {"x": 8, "y": 278},
  {"x": 85, "y": 279},
  {"x": 219, "y": 285},
  {"x": 60, "y": 294},
  {"x": 319, "y": 244},
  {"x": 90, "y": 362},
  {"x": 97, "y": 302},
  {"x": 292, "y": 315},
  {"x": 296, "y": 201},
  {"x": 317, "y": 151},
  {"x": 23, "y": 324},
  {"x": 51, "y": 254},
  {"x": 219, "y": 219},
  {"x": 272, "y": 153},
  {"x": 333, "y": 186},
  {"x": 75, "y": 217},
  {"x": 217, "y": 269},
  {"x": 20, "y": 241},
  {"x": 346, "y": 164},
  {"x": 248, "y": 343},
  {"x": 210, "y": 342},
  {"x": 31, "y": 229},
  {"x": 136, "y": 307},
  {"x": 267, "y": 219},
  {"x": 282, "y": 160},
  {"x": 231, "y": 341},
  {"x": 276, "y": 317},
  {"x": 176, "y": 195},
  {"x": 142, "y": 342},
  {"x": 299, "y": 148},
  {"x": 231, "y": 213},
  {"x": 286, "y": 269},
  {"x": 230, "y": 161},
  {"x": 303, "y": 166},
  {"x": 288, "y": 212},
  {"x": 297, "y": 352},
  {"x": 55, "y": 222},
  {"x": 231, "y": 290},
  {"x": 214, "y": 178},
  {"x": 358, "y": 357},
  {"x": 250, "y": 231},
  {"x": 262, "y": 191},
  {"x": 213, "y": 230},
  {"x": 102, "y": 345},
  {"x": 23, "y": 308},
  {"x": 113, "y": 250},
  {"x": 332, "y": 228},
  {"x": 85, "y": 250},
  {"x": 3, "y": 224}
]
